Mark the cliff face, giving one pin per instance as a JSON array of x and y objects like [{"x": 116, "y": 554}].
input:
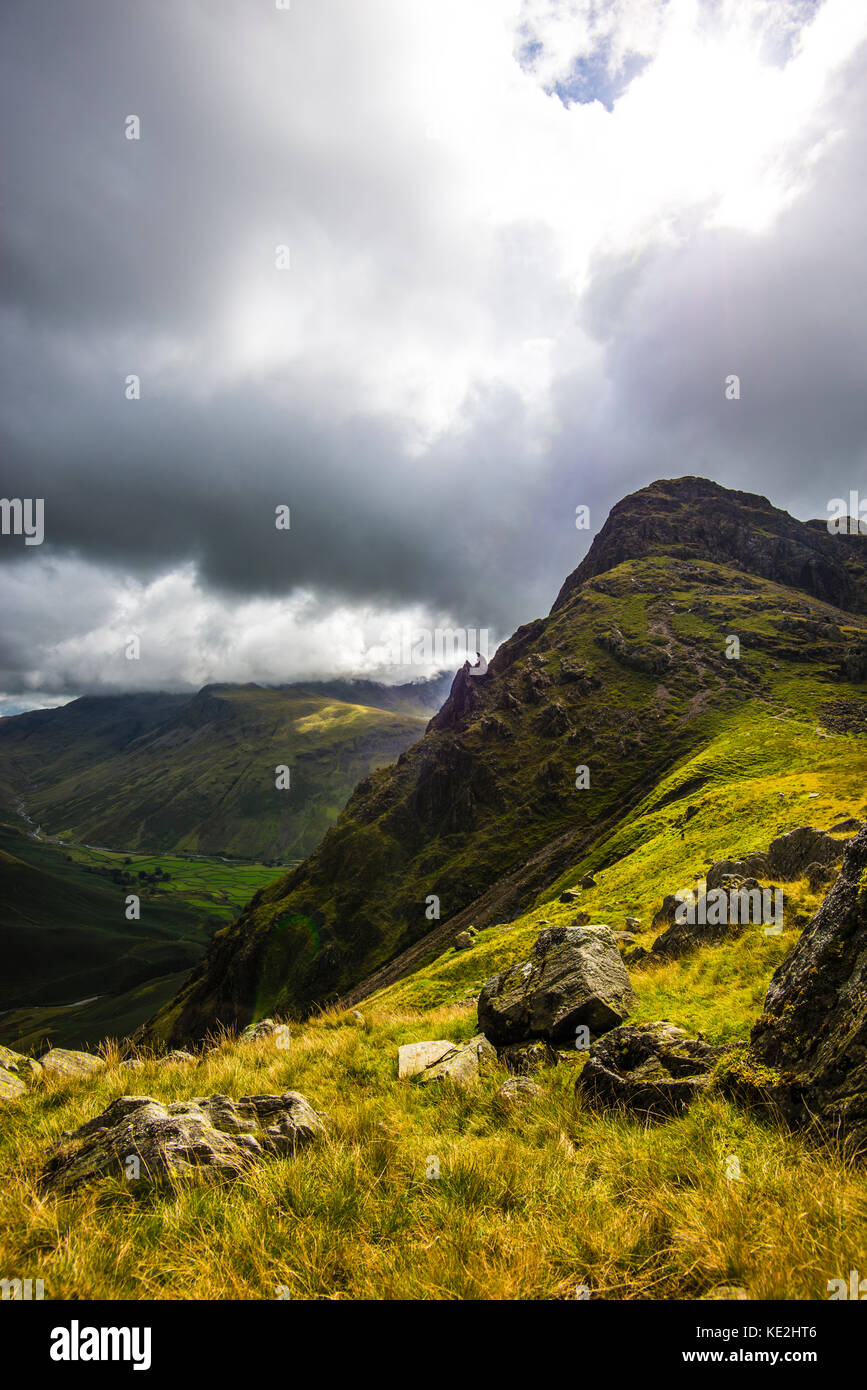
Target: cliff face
[
  {"x": 693, "y": 518},
  {"x": 631, "y": 672}
]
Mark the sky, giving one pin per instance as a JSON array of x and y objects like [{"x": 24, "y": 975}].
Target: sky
[{"x": 430, "y": 274}]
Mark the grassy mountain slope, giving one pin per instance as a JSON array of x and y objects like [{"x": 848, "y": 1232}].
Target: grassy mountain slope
[
  {"x": 531, "y": 1206},
  {"x": 163, "y": 773},
  {"x": 65, "y": 937},
  {"x": 633, "y": 676}
]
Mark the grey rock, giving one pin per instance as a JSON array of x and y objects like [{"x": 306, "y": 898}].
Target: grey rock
[
  {"x": 214, "y": 1136},
  {"x": 813, "y": 1032},
  {"x": 516, "y": 1089},
  {"x": 268, "y": 1028},
  {"x": 574, "y": 977},
  {"x": 62, "y": 1061},
  {"x": 462, "y": 1064},
  {"x": 750, "y": 866},
  {"x": 522, "y": 1059},
  {"x": 789, "y": 855},
  {"x": 414, "y": 1057},
  {"x": 651, "y": 1069}
]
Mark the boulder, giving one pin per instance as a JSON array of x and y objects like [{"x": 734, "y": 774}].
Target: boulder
[
  {"x": 522, "y": 1059},
  {"x": 268, "y": 1028},
  {"x": 682, "y": 937},
  {"x": 633, "y": 924},
  {"x": 16, "y": 1071},
  {"x": 750, "y": 866},
  {"x": 215, "y": 1136},
  {"x": 652, "y": 1069},
  {"x": 588, "y": 881},
  {"x": 462, "y": 1064},
  {"x": 570, "y": 896},
  {"x": 463, "y": 941},
  {"x": 414, "y": 1057},
  {"x": 11, "y": 1085},
  {"x": 179, "y": 1055},
  {"x": 812, "y": 1035},
  {"x": 849, "y": 826},
  {"x": 789, "y": 855},
  {"x": 517, "y": 1089},
  {"x": 61, "y": 1061},
  {"x": 818, "y": 876},
  {"x": 664, "y": 915},
  {"x": 574, "y": 977}
]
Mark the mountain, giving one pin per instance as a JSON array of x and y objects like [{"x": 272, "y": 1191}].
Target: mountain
[
  {"x": 196, "y": 775},
  {"x": 697, "y": 657}
]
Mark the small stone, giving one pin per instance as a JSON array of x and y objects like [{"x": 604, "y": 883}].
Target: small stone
[
  {"x": 516, "y": 1089},
  {"x": 268, "y": 1028},
  {"x": 463, "y": 941}
]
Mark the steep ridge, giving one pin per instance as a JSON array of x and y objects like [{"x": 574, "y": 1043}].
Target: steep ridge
[{"x": 632, "y": 672}]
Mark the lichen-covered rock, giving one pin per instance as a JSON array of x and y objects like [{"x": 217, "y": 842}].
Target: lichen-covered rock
[
  {"x": 790, "y": 855},
  {"x": 17, "y": 1073},
  {"x": 516, "y": 1089},
  {"x": 179, "y": 1055},
  {"x": 750, "y": 866},
  {"x": 682, "y": 937},
  {"x": 463, "y": 941},
  {"x": 813, "y": 1032},
  {"x": 142, "y": 1139},
  {"x": 652, "y": 1069},
  {"x": 522, "y": 1059},
  {"x": 462, "y": 1064},
  {"x": 414, "y": 1057},
  {"x": 268, "y": 1028},
  {"x": 62, "y": 1061},
  {"x": 11, "y": 1085},
  {"x": 574, "y": 977}
]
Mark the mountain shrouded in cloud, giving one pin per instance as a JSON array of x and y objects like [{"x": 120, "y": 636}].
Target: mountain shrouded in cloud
[{"x": 526, "y": 245}]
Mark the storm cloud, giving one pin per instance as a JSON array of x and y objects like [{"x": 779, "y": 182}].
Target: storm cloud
[{"x": 525, "y": 250}]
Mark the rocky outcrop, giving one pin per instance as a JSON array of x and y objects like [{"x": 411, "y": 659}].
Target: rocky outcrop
[
  {"x": 141, "y": 1139},
  {"x": 699, "y": 520},
  {"x": 790, "y": 855},
  {"x": 651, "y": 1069},
  {"x": 574, "y": 976},
  {"x": 812, "y": 1035}
]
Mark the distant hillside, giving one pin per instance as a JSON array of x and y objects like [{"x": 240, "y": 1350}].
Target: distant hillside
[
  {"x": 633, "y": 676},
  {"x": 162, "y": 773}
]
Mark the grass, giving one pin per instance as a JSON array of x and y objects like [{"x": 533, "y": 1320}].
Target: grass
[{"x": 528, "y": 1205}]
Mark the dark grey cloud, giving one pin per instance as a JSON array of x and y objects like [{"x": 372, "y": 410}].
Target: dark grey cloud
[{"x": 261, "y": 128}]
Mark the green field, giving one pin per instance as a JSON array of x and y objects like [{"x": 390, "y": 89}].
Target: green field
[{"x": 65, "y": 937}]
